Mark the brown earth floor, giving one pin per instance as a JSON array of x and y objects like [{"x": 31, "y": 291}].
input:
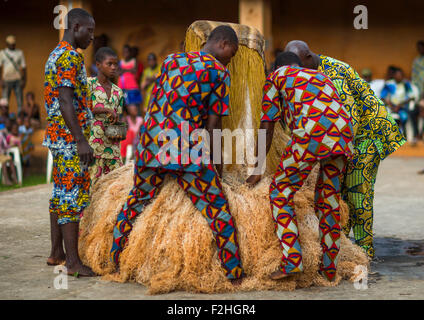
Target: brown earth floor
[{"x": 399, "y": 225}]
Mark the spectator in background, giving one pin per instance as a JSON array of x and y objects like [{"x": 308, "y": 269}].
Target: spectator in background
[
  {"x": 391, "y": 70},
  {"x": 148, "y": 79},
  {"x": 277, "y": 51},
  {"x": 107, "y": 102},
  {"x": 397, "y": 93},
  {"x": 140, "y": 66},
  {"x": 14, "y": 138},
  {"x": 98, "y": 42},
  {"x": 376, "y": 85},
  {"x": 26, "y": 131},
  {"x": 13, "y": 75},
  {"x": 417, "y": 78},
  {"x": 32, "y": 110},
  {"x": 4, "y": 110},
  {"x": 127, "y": 79},
  {"x": 8, "y": 170},
  {"x": 134, "y": 122}
]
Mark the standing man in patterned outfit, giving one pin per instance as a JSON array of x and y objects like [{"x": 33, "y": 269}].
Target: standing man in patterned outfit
[
  {"x": 376, "y": 135},
  {"x": 67, "y": 133},
  {"x": 191, "y": 92},
  {"x": 307, "y": 103}
]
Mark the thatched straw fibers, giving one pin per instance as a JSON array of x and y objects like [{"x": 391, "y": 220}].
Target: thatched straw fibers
[{"x": 172, "y": 248}]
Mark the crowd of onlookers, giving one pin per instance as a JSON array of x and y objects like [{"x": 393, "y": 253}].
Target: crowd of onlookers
[
  {"x": 404, "y": 98},
  {"x": 135, "y": 79}
]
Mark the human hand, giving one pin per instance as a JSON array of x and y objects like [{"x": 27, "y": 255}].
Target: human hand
[
  {"x": 253, "y": 179},
  {"x": 113, "y": 116},
  {"x": 85, "y": 152},
  {"x": 219, "y": 168}
]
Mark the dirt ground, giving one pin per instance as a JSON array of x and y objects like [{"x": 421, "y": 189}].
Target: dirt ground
[{"x": 398, "y": 225}]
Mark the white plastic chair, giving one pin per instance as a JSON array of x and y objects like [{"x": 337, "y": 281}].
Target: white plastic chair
[
  {"x": 130, "y": 154},
  {"x": 49, "y": 167},
  {"x": 14, "y": 151}
]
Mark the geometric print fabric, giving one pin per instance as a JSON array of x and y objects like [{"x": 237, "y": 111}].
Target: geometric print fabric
[
  {"x": 204, "y": 190},
  {"x": 190, "y": 87},
  {"x": 288, "y": 179},
  {"x": 307, "y": 103}
]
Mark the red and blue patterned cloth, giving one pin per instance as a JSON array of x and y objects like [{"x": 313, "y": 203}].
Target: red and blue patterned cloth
[
  {"x": 307, "y": 102},
  {"x": 190, "y": 87}
]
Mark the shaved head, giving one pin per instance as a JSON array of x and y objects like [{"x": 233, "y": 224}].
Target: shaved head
[
  {"x": 301, "y": 49},
  {"x": 298, "y": 47}
]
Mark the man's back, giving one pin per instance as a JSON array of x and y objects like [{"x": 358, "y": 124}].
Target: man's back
[
  {"x": 190, "y": 87},
  {"x": 308, "y": 104}
]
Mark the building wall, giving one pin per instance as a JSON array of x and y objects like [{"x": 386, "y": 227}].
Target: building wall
[
  {"x": 32, "y": 24},
  {"x": 327, "y": 26},
  {"x": 156, "y": 26},
  {"x": 160, "y": 25}
]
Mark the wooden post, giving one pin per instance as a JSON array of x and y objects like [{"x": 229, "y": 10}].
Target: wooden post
[{"x": 257, "y": 13}]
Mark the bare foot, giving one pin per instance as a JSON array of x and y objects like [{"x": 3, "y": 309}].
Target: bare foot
[
  {"x": 53, "y": 261},
  {"x": 80, "y": 271},
  {"x": 278, "y": 275}
]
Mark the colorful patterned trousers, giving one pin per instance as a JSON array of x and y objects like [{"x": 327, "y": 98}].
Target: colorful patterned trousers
[
  {"x": 204, "y": 190},
  {"x": 288, "y": 179},
  {"x": 71, "y": 184},
  {"x": 358, "y": 192},
  {"x": 103, "y": 166}
]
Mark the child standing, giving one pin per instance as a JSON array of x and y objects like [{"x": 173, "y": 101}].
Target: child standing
[
  {"x": 107, "y": 102},
  {"x": 134, "y": 122}
]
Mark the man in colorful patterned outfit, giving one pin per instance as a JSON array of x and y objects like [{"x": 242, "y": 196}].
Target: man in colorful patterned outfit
[
  {"x": 376, "y": 135},
  {"x": 68, "y": 128},
  {"x": 321, "y": 132},
  {"x": 191, "y": 92}
]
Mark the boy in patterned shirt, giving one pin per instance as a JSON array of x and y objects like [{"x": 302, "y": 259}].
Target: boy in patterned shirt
[{"x": 107, "y": 101}]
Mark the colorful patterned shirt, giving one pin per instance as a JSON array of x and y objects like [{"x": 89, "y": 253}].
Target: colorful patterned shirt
[
  {"x": 417, "y": 76},
  {"x": 102, "y": 146},
  {"x": 370, "y": 118},
  {"x": 307, "y": 103},
  {"x": 190, "y": 87},
  {"x": 65, "y": 68}
]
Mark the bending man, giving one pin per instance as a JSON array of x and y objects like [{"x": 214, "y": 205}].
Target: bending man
[
  {"x": 321, "y": 132},
  {"x": 191, "y": 92},
  {"x": 376, "y": 135}
]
